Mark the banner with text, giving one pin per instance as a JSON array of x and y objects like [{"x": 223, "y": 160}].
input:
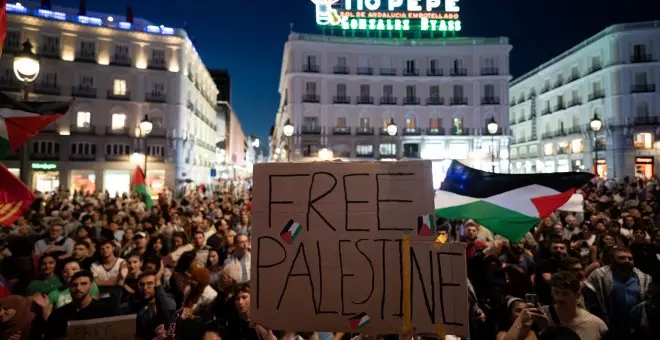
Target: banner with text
[
  {"x": 349, "y": 247},
  {"x": 112, "y": 328}
]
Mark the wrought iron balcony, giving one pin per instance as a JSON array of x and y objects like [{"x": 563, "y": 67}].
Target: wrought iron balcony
[
  {"x": 341, "y": 131},
  {"x": 411, "y": 72},
  {"x": 388, "y": 100},
  {"x": 434, "y": 100},
  {"x": 434, "y": 72},
  {"x": 490, "y": 101},
  {"x": 459, "y": 132},
  {"x": 411, "y": 101},
  {"x": 155, "y": 97},
  {"x": 647, "y": 120},
  {"x": 83, "y": 91},
  {"x": 366, "y": 71},
  {"x": 596, "y": 95},
  {"x": 642, "y": 88},
  {"x": 458, "y": 72},
  {"x": 85, "y": 129},
  {"x": 365, "y": 100},
  {"x": 311, "y": 130},
  {"x": 88, "y": 57},
  {"x": 43, "y": 88},
  {"x": 458, "y": 101},
  {"x": 435, "y": 131},
  {"x": 387, "y": 71},
  {"x": 341, "y": 70},
  {"x": 116, "y": 131},
  {"x": 412, "y": 131},
  {"x": 311, "y": 98},
  {"x": 156, "y": 64},
  {"x": 341, "y": 100},
  {"x": 119, "y": 96},
  {"x": 490, "y": 71},
  {"x": 365, "y": 131},
  {"x": 311, "y": 68},
  {"x": 641, "y": 58},
  {"x": 121, "y": 60}
]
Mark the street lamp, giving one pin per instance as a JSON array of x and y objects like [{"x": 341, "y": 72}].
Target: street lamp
[
  {"x": 596, "y": 124},
  {"x": 492, "y": 129},
  {"x": 144, "y": 129},
  {"x": 288, "y": 131},
  {"x": 26, "y": 69},
  {"x": 392, "y": 129},
  {"x": 325, "y": 154}
]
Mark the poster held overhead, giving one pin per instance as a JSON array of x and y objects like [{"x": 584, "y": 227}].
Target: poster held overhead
[{"x": 338, "y": 262}]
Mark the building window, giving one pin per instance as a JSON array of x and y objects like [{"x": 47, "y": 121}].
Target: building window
[
  {"x": 341, "y": 62},
  {"x": 364, "y": 150},
  {"x": 489, "y": 63},
  {"x": 638, "y": 51},
  {"x": 387, "y": 149},
  {"x": 388, "y": 91},
  {"x": 121, "y": 52},
  {"x": 577, "y": 146},
  {"x": 364, "y": 122},
  {"x": 489, "y": 91},
  {"x": 87, "y": 49},
  {"x": 457, "y": 124},
  {"x": 435, "y": 123},
  {"x": 46, "y": 147},
  {"x": 643, "y": 140},
  {"x": 156, "y": 150},
  {"x": 157, "y": 57},
  {"x": 341, "y": 90},
  {"x": 640, "y": 78},
  {"x": 364, "y": 90},
  {"x": 157, "y": 89},
  {"x": 51, "y": 45},
  {"x": 50, "y": 79},
  {"x": 410, "y": 91},
  {"x": 341, "y": 122},
  {"x": 310, "y": 123},
  {"x": 548, "y": 149},
  {"x": 642, "y": 109},
  {"x": 83, "y": 119},
  {"x": 310, "y": 88},
  {"x": 83, "y": 149},
  {"x": 87, "y": 82},
  {"x": 119, "y": 87},
  {"x": 434, "y": 91},
  {"x": 13, "y": 39},
  {"x": 458, "y": 91},
  {"x": 118, "y": 121},
  {"x": 117, "y": 149}
]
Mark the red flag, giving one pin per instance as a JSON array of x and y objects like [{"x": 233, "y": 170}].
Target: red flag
[
  {"x": 15, "y": 197},
  {"x": 3, "y": 23}
]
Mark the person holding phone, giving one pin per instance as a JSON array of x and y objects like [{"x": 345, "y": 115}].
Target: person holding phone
[{"x": 522, "y": 315}]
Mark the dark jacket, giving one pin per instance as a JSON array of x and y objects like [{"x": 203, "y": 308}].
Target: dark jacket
[{"x": 148, "y": 319}]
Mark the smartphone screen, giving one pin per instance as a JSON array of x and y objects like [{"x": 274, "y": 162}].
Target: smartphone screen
[{"x": 532, "y": 298}]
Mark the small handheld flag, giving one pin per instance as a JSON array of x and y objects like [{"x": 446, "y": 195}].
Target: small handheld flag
[
  {"x": 290, "y": 231},
  {"x": 426, "y": 225},
  {"x": 139, "y": 185},
  {"x": 359, "y": 321}
]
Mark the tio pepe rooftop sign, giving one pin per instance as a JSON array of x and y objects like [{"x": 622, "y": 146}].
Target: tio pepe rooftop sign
[{"x": 389, "y": 15}]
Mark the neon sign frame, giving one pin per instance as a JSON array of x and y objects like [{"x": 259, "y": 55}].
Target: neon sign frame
[{"x": 389, "y": 15}]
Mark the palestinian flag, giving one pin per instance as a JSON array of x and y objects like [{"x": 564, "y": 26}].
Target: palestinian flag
[
  {"x": 509, "y": 205},
  {"x": 426, "y": 225},
  {"x": 15, "y": 197},
  {"x": 359, "y": 321},
  {"x": 139, "y": 185},
  {"x": 290, "y": 231},
  {"x": 22, "y": 121}
]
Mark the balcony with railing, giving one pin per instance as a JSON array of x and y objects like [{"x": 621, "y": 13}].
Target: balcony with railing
[
  {"x": 596, "y": 95},
  {"x": 49, "y": 51},
  {"x": 364, "y": 100},
  {"x": 156, "y": 64},
  {"x": 364, "y": 131},
  {"x": 341, "y": 100},
  {"x": 547, "y": 135},
  {"x": 86, "y": 56},
  {"x": 546, "y": 111},
  {"x": 365, "y": 70},
  {"x": 310, "y": 130},
  {"x": 125, "y": 96},
  {"x": 641, "y": 58},
  {"x": 647, "y": 120},
  {"x": 341, "y": 70},
  {"x": 412, "y": 131},
  {"x": 574, "y": 130},
  {"x": 155, "y": 97},
  {"x": 83, "y": 91},
  {"x": 311, "y": 98},
  {"x": 490, "y": 71},
  {"x": 434, "y": 72},
  {"x": 383, "y": 131},
  {"x": 118, "y": 131},
  {"x": 411, "y": 100},
  {"x": 435, "y": 100},
  {"x": 387, "y": 71},
  {"x": 388, "y": 100},
  {"x": 642, "y": 88},
  {"x": 573, "y": 77},
  {"x": 558, "y": 83},
  {"x": 85, "y": 129},
  {"x": 522, "y": 119},
  {"x": 512, "y": 121},
  {"x": 459, "y": 72},
  {"x": 490, "y": 101},
  {"x": 594, "y": 68},
  {"x": 311, "y": 68},
  {"x": 343, "y": 130},
  {"x": 574, "y": 102},
  {"x": 45, "y": 88},
  {"x": 121, "y": 60},
  {"x": 559, "y": 133},
  {"x": 10, "y": 84},
  {"x": 558, "y": 107},
  {"x": 458, "y": 101},
  {"x": 411, "y": 72},
  {"x": 435, "y": 131},
  {"x": 459, "y": 132},
  {"x": 545, "y": 88}
]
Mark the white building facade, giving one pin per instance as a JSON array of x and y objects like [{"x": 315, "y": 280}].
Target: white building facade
[
  {"x": 340, "y": 93},
  {"x": 613, "y": 76},
  {"x": 119, "y": 72}
]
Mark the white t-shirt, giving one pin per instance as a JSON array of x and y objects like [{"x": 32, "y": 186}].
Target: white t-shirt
[
  {"x": 585, "y": 324},
  {"x": 100, "y": 272}
]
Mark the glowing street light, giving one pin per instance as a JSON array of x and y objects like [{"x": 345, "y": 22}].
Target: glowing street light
[
  {"x": 392, "y": 128},
  {"x": 325, "y": 154},
  {"x": 26, "y": 64},
  {"x": 288, "y": 128}
]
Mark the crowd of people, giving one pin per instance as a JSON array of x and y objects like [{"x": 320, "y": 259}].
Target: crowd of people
[{"x": 183, "y": 267}]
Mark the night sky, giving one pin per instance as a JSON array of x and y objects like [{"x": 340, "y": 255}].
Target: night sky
[{"x": 247, "y": 36}]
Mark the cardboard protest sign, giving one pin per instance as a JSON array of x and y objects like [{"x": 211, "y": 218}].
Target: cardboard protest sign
[
  {"x": 113, "y": 328},
  {"x": 349, "y": 247}
]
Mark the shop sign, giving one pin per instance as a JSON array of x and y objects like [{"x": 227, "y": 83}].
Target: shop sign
[{"x": 44, "y": 166}]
